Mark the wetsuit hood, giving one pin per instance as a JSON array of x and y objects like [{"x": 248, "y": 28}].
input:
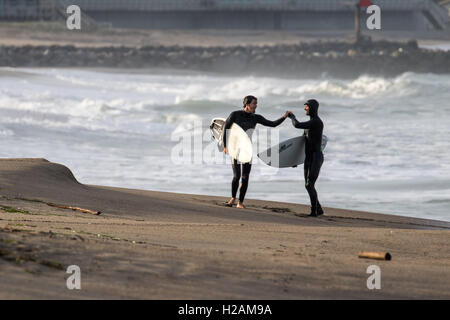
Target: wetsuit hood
[{"x": 313, "y": 107}]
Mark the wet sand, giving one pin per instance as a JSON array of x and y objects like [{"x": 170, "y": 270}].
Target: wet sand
[{"x": 157, "y": 245}]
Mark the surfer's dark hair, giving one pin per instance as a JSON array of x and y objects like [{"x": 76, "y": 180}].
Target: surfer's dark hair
[{"x": 249, "y": 99}]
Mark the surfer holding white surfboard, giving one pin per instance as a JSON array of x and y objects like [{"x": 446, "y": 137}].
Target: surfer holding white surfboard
[
  {"x": 247, "y": 120},
  {"x": 313, "y": 151}
]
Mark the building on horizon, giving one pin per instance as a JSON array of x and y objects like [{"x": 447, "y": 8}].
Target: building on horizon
[{"x": 408, "y": 15}]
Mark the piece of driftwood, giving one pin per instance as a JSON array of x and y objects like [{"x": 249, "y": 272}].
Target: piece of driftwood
[
  {"x": 375, "y": 255},
  {"x": 74, "y": 208}
]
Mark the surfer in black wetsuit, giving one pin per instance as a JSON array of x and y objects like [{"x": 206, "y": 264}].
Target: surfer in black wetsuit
[
  {"x": 247, "y": 120},
  {"x": 314, "y": 156}
]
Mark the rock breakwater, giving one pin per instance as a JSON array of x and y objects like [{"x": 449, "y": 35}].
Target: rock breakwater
[{"x": 343, "y": 59}]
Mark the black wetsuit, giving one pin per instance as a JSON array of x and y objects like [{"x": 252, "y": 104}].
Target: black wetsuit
[
  {"x": 246, "y": 121},
  {"x": 314, "y": 156}
]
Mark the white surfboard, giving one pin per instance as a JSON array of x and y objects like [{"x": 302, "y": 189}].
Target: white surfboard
[
  {"x": 239, "y": 145},
  {"x": 288, "y": 153}
]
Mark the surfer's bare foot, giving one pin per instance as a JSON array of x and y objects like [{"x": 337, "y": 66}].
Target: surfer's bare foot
[
  {"x": 231, "y": 202},
  {"x": 240, "y": 205}
]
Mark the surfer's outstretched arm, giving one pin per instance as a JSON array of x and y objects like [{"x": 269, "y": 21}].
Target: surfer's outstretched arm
[
  {"x": 261, "y": 120},
  {"x": 301, "y": 125}
]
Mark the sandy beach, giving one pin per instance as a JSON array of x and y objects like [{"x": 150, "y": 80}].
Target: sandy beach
[{"x": 156, "y": 245}]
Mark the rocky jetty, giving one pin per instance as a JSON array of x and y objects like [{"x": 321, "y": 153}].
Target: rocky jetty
[{"x": 342, "y": 59}]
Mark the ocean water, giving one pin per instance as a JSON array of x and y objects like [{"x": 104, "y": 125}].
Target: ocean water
[
  {"x": 438, "y": 46},
  {"x": 388, "y": 148}
]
